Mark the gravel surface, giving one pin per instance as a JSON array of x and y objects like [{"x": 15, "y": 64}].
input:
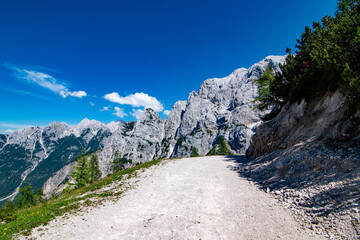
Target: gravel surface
[{"x": 190, "y": 198}]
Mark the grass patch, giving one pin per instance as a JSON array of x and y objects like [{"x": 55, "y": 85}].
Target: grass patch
[{"x": 24, "y": 220}]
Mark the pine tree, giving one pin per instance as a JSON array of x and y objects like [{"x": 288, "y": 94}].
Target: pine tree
[
  {"x": 194, "y": 152},
  {"x": 81, "y": 173},
  {"x": 95, "y": 173},
  {"x": 40, "y": 195},
  {"x": 26, "y": 197},
  {"x": 117, "y": 164},
  {"x": 9, "y": 206}
]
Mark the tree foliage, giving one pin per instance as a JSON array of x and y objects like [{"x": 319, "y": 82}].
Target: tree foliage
[
  {"x": 81, "y": 173},
  {"x": 220, "y": 148},
  {"x": 26, "y": 197},
  {"x": 272, "y": 92},
  {"x": 194, "y": 152},
  {"x": 223, "y": 150},
  {"x": 119, "y": 162},
  {"x": 10, "y": 206},
  {"x": 326, "y": 58},
  {"x": 94, "y": 170},
  {"x": 40, "y": 195}
]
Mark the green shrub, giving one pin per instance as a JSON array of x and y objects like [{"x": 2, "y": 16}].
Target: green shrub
[
  {"x": 220, "y": 148},
  {"x": 26, "y": 197},
  {"x": 180, "y": 141},
  {"x": 194, "y": 152},
  {"x": 95, "y": 173},
  {"x": 223, "y": 150},
  {"x": 81, "y": 173},
  {"x": 119, "y": 162}
]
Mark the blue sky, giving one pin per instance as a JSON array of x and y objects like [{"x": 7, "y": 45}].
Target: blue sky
[{"x": 106, "y": 60}]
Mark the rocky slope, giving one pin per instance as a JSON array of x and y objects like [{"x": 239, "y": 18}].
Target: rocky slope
[
  {"x": 309, "y": 158},
  {"x": 221, "y": 107},
  {"x": 32, "y": 155}
]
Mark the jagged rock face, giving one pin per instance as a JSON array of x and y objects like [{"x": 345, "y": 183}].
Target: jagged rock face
[
  {"x": 222, "y": 106},
  {"x": 57, "y": 182},
  {"x": 3, "y": 140},
  {"x": 138, "y": 142},
  {"x": 301, "y": 123},
  {"x": 32, "y": 155},
  {"x": 171, "y": 126}
]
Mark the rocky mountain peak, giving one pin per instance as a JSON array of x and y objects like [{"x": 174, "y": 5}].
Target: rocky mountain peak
[
  {"x": 87, "y": 127},
  {"x": 149, "y": 116},
  {"x": 114, "y": 126},
  {"x": 149, "y": 125}
]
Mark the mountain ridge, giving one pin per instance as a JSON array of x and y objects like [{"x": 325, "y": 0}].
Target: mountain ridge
[{"x": 221, "y": 107}]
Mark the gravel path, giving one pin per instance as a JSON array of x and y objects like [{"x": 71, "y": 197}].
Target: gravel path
[{"x": 190, "y": 198}]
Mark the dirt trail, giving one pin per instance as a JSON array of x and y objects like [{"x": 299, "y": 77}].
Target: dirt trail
[{"x": 191, "y": 198}]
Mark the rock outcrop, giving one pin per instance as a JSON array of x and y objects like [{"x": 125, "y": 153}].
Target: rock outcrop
[
  {"x": 309, "y": 158},
  {"x": 222, "y": 107}
]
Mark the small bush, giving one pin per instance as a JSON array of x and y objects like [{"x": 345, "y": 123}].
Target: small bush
[
  {"x": 220, "y": 148},
  {"x": 180, "y": 141},
  {"x": 194, "y": 152}
]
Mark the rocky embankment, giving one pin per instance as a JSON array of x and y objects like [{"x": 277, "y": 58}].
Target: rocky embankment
[{"x": 308, "y": 157}]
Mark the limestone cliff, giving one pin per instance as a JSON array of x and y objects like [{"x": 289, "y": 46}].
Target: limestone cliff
[{"x": 222, "y": 107}]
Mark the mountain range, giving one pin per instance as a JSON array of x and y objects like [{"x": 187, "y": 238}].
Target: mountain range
[{"x": 223, "y": 107}]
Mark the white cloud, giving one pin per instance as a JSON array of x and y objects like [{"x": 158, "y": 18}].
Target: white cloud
[
  {"x": 92, "y": 104},
  {"x": 9, "y": 131},
  {"x": 166, "y": 112},
  {"x": 44, "y": 80},
  {"x": 137, "y": 113},
  {"x": 119, "y": 112},
  {"x": 136, "y": 100},
  {"x": 78, "y": 94},
  {"x": 105, "y": 109}
]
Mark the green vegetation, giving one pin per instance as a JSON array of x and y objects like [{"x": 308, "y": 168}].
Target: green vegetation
[
  {"x": 220, "y": 148},
  {"x": 12, "y": 165},
  {"x": 119, "y": 162},
  {"x": 95, "y": 173},
  {"x": 165, "y": 146},
  {"x": 212, "y": 152},
  {"x": 327, "y": 57},
  {"x": 22, "y": 220},
  {"x": 85, "y": 171},
  {"x": 81, "y": 173},
  {"x": 194, "y": 152},
  {"x": 271, "y": 93},
  {"x": 180, "y": 141},
  {"x": 67, "y": 150},
  {"x": 223, "y": 148},
  {"x": 26, "y": 197}
]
